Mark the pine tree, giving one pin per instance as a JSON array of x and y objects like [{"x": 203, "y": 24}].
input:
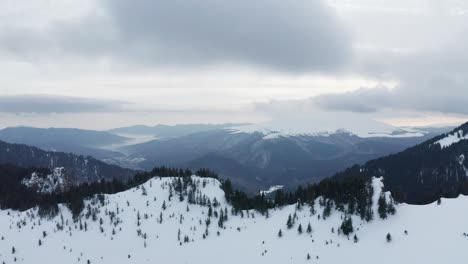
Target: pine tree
[
  {"x": 164, "y": 205},
  {"x": 221, "y": 219},
  {"x": 355, "y": 238},
  {"x": 308, "y": 256},
  {"x": 289, "y": 223},
  {"x": 391, "y": 207},
  {"x": 312, "y": 207},
  {"x": 309, "y": 228},
  {"x": 382, "y": 206},
  {"x": 347, "y": 226},
  {"x": 389, "y": 238},
  {"x": 327, "y": 210},
  {"x": 299, "y": 229},
  {"x": 210, "y": 211},
  {"x": 280, "y": 233}
]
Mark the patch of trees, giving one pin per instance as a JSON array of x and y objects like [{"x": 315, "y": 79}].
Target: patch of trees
[{"x": 353, "y": 194}]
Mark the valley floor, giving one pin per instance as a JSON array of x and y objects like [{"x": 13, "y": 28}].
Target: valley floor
[{"x": 435, "y": 233}]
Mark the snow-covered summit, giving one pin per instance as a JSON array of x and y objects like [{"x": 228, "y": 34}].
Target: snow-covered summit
[{"x": 326, "y": 125}]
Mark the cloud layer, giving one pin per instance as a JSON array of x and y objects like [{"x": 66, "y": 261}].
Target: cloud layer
[
  {"x": 301, "y": 36},
  {"x": 183, "y": 54},
  {"x": 428, "y": 81},
  {"x": 45, "y": 104}
]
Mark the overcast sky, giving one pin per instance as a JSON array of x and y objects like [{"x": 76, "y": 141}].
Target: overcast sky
[{"x": 107, "y": 63}]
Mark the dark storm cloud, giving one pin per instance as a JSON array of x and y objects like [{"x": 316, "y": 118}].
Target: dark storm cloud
[
  {"x": 55, "y": 104},
  {"x": 301, "y": 35}
]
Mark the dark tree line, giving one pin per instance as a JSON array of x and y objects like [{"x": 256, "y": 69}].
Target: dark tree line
[
  {"x": 351, "y": 193},
  {"x": 423, "y": 173}
]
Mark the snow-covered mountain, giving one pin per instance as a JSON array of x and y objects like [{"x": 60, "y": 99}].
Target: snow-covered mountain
[
  {"x": 288, "y": 151},
  {"x": 255, "y": 160},
  {"x": 327, "y": 124},
  {"x": 152, "y": 224}
]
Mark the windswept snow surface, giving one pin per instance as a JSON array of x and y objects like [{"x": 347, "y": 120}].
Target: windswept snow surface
[
  {"x": 435, "y": 233},
  {"x": 452, "y": 139}
]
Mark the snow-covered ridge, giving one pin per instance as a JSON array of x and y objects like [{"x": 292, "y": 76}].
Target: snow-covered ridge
[
  {"x": 54, "y": 182},
  {"x": 142, "y": 225},
  {"x": 295, "y": 127},
  {"x": 452, "y": 139}
]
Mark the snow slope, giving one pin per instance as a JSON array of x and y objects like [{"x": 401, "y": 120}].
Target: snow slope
[
  {"x": 452, "y": 139},
  {"x": 435, "y": 233}
]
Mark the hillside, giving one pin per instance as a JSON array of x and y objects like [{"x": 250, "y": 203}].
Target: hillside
[
  {"x": 78, "y": 168},
  {"x": 152, "y": 223},
  {"x": 423, "y": 173}
]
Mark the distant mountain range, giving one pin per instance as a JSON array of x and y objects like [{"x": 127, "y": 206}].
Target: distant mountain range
[
  {"x": 254, "y": 157},
  {"x": 254, "y": 160}
]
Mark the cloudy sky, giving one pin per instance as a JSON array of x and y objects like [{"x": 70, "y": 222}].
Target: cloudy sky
[{"x": 107, "y": 63}]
